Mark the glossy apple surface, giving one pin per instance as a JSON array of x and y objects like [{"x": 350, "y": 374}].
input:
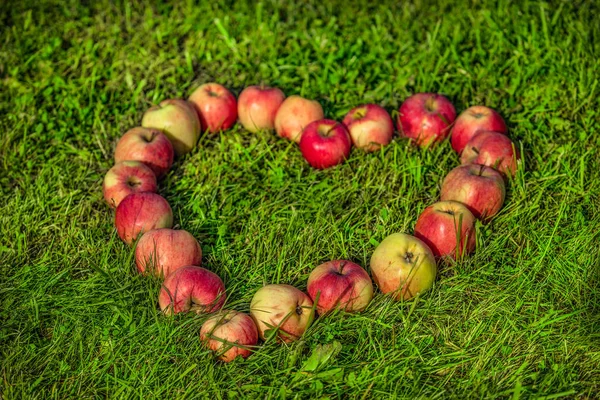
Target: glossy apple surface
[
  {"x": 370, "y": 127},
  {"x": 258, "y": 106},
  {"x": 325, "y": 143},
  {"x": 147, "y": 145},
  {"x": 230, "y": 334},
  {"x": 426, "y": 118},
  {"x": 216, "y": 106},
  {"x": 125, "y": 178},
  {"x": 473, "y": 120},
  {"x": 294, "y": 114},
  {"x": 142, "y": 212},
  {"x": 492, "y": 149},
  {"x": 162, "y": 251}
]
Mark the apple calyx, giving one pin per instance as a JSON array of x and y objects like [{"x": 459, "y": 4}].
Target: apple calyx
[
  {"x": 299, "y": 310},
  {"x": 408, "y": 257}
]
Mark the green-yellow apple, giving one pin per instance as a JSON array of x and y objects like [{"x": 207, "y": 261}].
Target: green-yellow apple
[{"x": 178, "y": 120}]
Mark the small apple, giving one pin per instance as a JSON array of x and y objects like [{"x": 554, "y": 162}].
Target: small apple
[
  {"x": 125, "y": 178},
  {"x": 216, "y": 106},
  {"x": 478, "y": 187},
  {"x": 473, "y": 120},
  {"x": 149, "y": 146},
  {"x": 230, "y": 334},
  {"x": 448, "y": 228},
  {"x": 294, "y": 114},
  {"x": 141, "y": 212},
  {"x": 191, "y": 288},
  {"x": 281, "y": 309},
  {"x": 403, "y": 266},
  {"x": 325, "y": 143},
  {"x": 162, "y": 251},
  {"x": 370, "y": 126},
  {"x": 340, "y": 284},
  {"x": 492, "y": 149},
  {"x": 257, "y": 107},
  {"x": 426, "y": 118}
]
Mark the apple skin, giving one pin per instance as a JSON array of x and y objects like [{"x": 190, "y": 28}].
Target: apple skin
[
  {"x": 125, "y": 178},
  {"x": 370, "y": 127},
  {"x": 478, "y": 187},
  {"x": 231, "y": 330},
  {"x": 403, "y": 266},
  {"x": 473, "y": 120},
  {"x": 216, "y": 106},
  {"x": 191, "y": 288},
  {"x": 142, "y": 212},
  {"x": 492, "y": 149},
  {"x": 281, "y": 306},
  {"x": 257, "y": 107},
  {"x": 162, "y": 251},
  {"x": 426, "y": 118},
  {"x": 325, "y": 143},
  {"x": 178, "y": 120},
  {"x": 149, "y": 146},
  {"x": 294, "y": 114},
  {"x": 438, "y": 225},
  {"x": 340, "y": 284}
]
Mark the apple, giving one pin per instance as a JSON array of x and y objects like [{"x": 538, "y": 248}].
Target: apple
[
  {"x": 281, "y": 308},
  {"x": 141, "y": 212},
  {"x": 191, "y": 288},
  {"x": 426, "y": 118},
  {"x": 125, "y": 178},
  {"x": 370, "y": 126},
  {"x": 216, "y": 106},
  {"x": 478, "y": 187},
  {"x": 492, "y": 149},
  {"x": 230, "y": 334},
  {"x": 448, "y": 228},
  {"x": 403, "y": 266},
  {"x": 162, "y": 251},
  {"x": 325, "y": 143},
  {"x": 149, "y": 146},
  {"x": 294, "y": 114},
  {"x": 178, "y": 120},
  {"x": 473, "y": 120},
  {"x": 340, "y": 284},
  {"x": 257, "y": 107}
]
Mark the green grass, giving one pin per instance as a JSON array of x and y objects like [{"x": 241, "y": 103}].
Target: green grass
[{"x": 518, "y": 319}]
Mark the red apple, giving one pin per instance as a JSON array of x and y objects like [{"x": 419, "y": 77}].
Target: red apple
[
  {"x": 191, "y": 288},
  {"x": 448, "y": 228},
  {"x": 325, "y": 143},
  {"x": 473, "y": 120},
  {"x": 370, "y": 126},
  {"x": 478, "y": 187},
  {"x": 230, "y": 334},
  {"x": 141, "y": 212},
  {"x": 162, "y": 251},
  {"x": 257, "y": 107},
  {"x": 294, "y": 114},
  {"x": 149, "y": 146},
  {"x": 340, "y": 284},
  {"x": 178, "y": 120},
  {"x": 125, "y": 178},
  {"x": 492, "y": 149},
  {"x": 426, "y": 118},
  {"x": 283, "y": 310},
  {"x": 216, "y": 106}
]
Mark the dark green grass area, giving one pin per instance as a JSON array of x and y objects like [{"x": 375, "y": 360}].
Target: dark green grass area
[{"x": 518, "y": 319}]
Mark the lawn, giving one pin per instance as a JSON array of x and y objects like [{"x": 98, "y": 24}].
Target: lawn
[{"x": 518, "y": 319}]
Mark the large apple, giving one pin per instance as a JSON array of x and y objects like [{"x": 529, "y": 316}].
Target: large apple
[
  {"x": 403, "y": 266},
  {"x": 370, "y": 126},
  {"x": 149, "y": 146},
  {"x": 448, "y": 228},
  {"x": 294, "y": 114},
  {"x": 473, "y": 120},
  {"x": 492, "y": 149},
  {"x": 340, "y": 284},
  {"x": 216, "y": 106},
  {"x": 141, "y": 212},
  {"x": 426, "y": 118},
  {"x": 230, "y": 334},
  {"x": 178, "y": 120},
  {"x": 125, "y": 178},
  {"x": 162, "y": 251},
  {"x": 283, "y": 310},
  {"x": 191, "y": 288},
  {"x": 478, "y": 187},
  {"x": 257, "y": 107},
  {"x": 325, "y": 143}
]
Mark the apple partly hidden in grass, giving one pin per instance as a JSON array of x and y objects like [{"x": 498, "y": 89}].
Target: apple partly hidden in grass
[
  {"x": 216, "y": 106},
  {"x": 325, "y": 143},
  {"x": 478, "y": 187},
  {"x": 162, "y": 251},
  {"x": 403, "y": 266},
  {"x": 492, "y": 149},
  {"x": 294, "y": 114},
  {"x": 340, "y": 284},
  {"x": 448, "y": 228},
  {"x": 230, "y": 334},
  {"x": 125, "y": 178},
  {"x": 281, "y": 310},
  {"x": 178, "y": 120},
  {"x": 370, "y": 126},
  {"x": 191, "y": 288},
  {"x": 142, "y": 212},
  {"x": 257, "y": 107},
  {"x": 473, "y": 120},
  {"x": 426, "y": 118},
  {"x": 147, "y": 145}
]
